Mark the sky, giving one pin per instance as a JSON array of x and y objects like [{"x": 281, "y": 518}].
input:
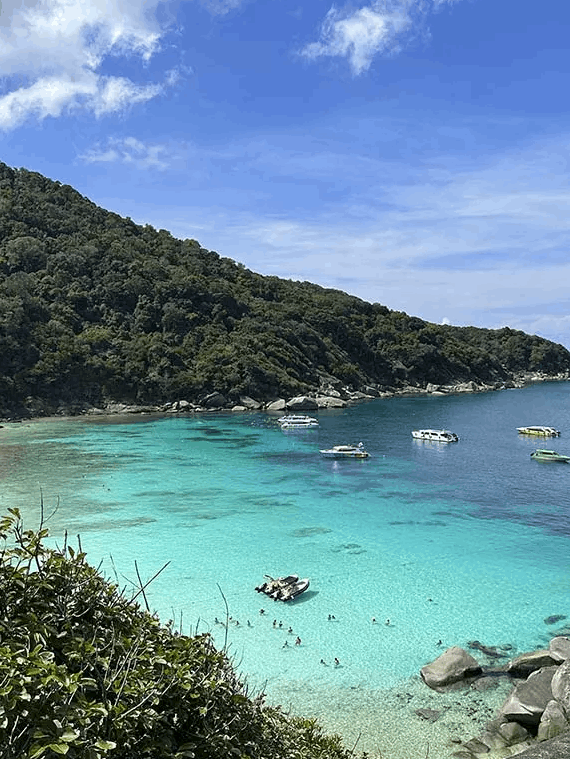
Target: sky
[{"x": 413, "y": 153}]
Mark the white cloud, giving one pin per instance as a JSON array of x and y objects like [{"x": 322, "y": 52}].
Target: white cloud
[
  {"x": 378, "y": 28},
  {"x": 133, "y": 152},
  {"x": 52, "y": 51}
]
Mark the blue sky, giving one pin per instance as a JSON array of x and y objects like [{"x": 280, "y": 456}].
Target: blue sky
[{"x": 414, "y": 153}]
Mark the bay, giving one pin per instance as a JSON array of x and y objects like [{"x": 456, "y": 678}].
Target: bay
[{"x": 448, "y": 543}]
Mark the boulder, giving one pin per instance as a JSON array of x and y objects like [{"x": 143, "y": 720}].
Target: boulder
[
  {"x": 561, "y": 686},
  {"x": 556, "y": 748},
  {"x": 513, "y": 732},
  {"x": 528, "y": 700},
  {"x": 452, "y": 666},
  {"x": 214, "y": 400},
  {"x": 278, "y": 405},
  {"x": 523, "y": 665},
  {"x": 559, "y": 648},
  {"x": 249, "y": 403},
  {"x": 553, "y": 721},
  {"x": 325, "y": 401},
  {"x": 302, "y": 403}
]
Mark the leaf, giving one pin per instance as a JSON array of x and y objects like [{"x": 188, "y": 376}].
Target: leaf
[
  {"x": 105, "y": 745},
  {"x": 59, "y": 748}
]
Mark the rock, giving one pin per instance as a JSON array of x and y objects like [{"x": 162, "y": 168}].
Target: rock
[
  {"x": 561, "y": 686},
  {"x": 523, "y": 665},
  {"x": 553, "y": 721},
  {"x": 553, "y": 619},
  {"x": 556, "y": 748},
  {"x": 278, "y": 405},
  {"x": 513, "y": 732},
  {"x": 302, "y": 403},
  {"x": 452, "y": 666},
  {"x": 431, "y": 715},
  {"x": 528, "y": 700},
  {"x": 559, "y": 648},
  {"x": 214, "y": 400},
  {"x": 490, "y": 651},
  {"x": 239, "y": 409},
  {"x": 476, "y": 746},
  {"x": 249, "y": 403},
  {"x": 431, "y": 388},
  {"x": 325, "y": 401}
]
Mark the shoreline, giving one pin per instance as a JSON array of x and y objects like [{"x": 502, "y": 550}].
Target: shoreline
[{"x": 311, "y": 401}]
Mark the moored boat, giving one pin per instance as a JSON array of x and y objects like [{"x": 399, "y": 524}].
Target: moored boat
[
  {"x": 544, "y": 455},
  {"x": 346, "y": 451},
  {"x": 283, "y": 588},
  {"x": 297, "y": 422},
  {"x": 439, "y": 436},
  {"x": 539, "y": 430}
]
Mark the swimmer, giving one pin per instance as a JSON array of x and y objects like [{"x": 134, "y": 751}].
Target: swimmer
[
  {"x": 323, "y": 662},
  {"x": 249, "y": 623},
  {"x": 262, "y": 611},
  {"x": 285, "y": 645},
  {"x": 387, "y": 623},
  {"x": 297, "y": 641},
  {"x": 336, "y": 662},
  {"x": 373, "y": 620}
]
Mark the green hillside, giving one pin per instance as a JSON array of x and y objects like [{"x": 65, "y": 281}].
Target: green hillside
[{"x": 95, "y": 308}]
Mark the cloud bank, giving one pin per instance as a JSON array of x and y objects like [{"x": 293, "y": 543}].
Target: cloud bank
[{"x": 52, "y": 53}]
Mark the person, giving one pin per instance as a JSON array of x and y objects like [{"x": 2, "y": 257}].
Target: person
[
  {"x": 285, "y": 645},
  {"x": 297, "y": 641},
  {"x": 262, "y": 611},
  {"x": 336, "y": 662}
]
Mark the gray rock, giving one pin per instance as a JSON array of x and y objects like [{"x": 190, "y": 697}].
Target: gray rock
[
  {"x": 528, "y": 700},
  {"x": 278, "y": 405},
  {"x": 556, "y": 748},
  {"x": 326, "y": 401},
  {"x": 431, "y": 715},
  {"x": 513, "y": 732},
  {"x": 214, "y": 400},
  {"x": 476, "y": 746},
  {"x": 249, "y": 403},
  {"x": 302, "y": 403},
  {"x": 561, "y": 685},
  {"x": 553, "y": 721},
  {"x": 559, "y": 648},
  {"x": 239, "y": 409},
  {"x": 523, "y": 665},
  {"x": 452, "y": 666}
]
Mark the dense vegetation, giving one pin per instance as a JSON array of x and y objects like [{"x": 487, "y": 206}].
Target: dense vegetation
[
  {"x": 94, "y": 308},
  {"x": 87, "y": 673}
]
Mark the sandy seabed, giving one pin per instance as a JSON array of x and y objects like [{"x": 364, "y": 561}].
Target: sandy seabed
[{"x": 385, "y": 724}]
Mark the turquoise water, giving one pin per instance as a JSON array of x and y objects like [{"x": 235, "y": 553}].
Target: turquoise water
[{"x": 449, "y": 543}]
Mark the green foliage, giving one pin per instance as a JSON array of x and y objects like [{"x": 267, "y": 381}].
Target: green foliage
[
  {"x": 86, "y": 674},
  {"x": 95, "y": 308}
]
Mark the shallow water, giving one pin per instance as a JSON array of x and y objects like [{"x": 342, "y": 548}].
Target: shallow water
[{"x": 449, "y": 542}]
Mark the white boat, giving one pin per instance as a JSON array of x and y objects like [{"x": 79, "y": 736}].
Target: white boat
[
  {"x": 346, "y": 451},
  {"x": 440, "y": 436},
  {"x": 297, "y": 422},
  {"x": 283, "y": 588},
  {"x": 542, "y": 455},
  {"x": 539, "y": 430}
]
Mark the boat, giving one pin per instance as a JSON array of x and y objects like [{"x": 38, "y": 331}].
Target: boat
[
  {"x": 440, "y": 436},
  {"x": 283, "y": 588},
  {"x": 543, "y": 455},
  {"x": 346, "y": 451},
  {"x": 297, "y": 422},
  {"x": 539, "y": 430}
]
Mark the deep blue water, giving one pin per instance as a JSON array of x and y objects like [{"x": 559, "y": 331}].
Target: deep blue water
[{"x": 449, "y": 542}]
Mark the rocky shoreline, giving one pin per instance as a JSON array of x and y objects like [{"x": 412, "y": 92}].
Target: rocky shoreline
[
  {"x": 533, "y": 721},
  {"x": 331, "y": 394}
]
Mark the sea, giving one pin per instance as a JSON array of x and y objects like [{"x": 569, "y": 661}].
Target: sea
[{"x": 418, "y": 548}]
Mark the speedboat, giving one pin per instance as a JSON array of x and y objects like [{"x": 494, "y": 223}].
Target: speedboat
[
  {"x": 346, "y": 451},
  {"x": 440, "y": 436},
  {"x": 283, "y": 588},
  {"x": 542, "y": 455},
  {"x": 539, "y": 430},
  {"x": 297, "y": 422}
]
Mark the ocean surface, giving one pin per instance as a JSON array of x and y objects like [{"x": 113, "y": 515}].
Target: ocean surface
[{"x": 420, "y": 547}]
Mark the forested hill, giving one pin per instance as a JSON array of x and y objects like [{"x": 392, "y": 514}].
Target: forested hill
[{"x": 95, "y": 308}]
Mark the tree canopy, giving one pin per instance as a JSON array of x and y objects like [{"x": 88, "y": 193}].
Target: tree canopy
[{"x": 95, "y": 308}]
